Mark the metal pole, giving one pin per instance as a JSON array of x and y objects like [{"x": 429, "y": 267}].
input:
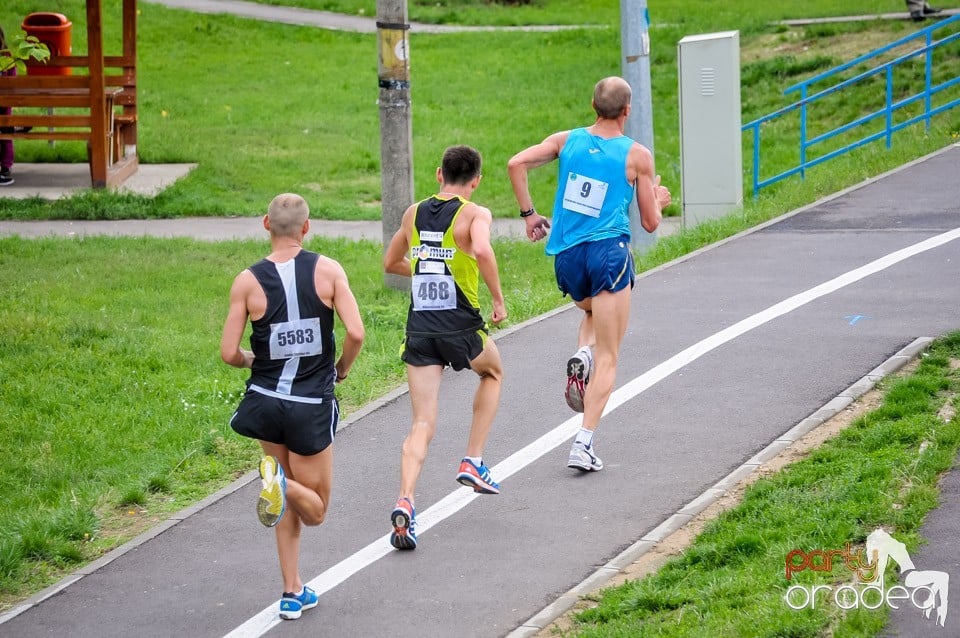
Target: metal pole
[
  {"x": 396, "y": 133},
  {"x": 635, "y": 48}
]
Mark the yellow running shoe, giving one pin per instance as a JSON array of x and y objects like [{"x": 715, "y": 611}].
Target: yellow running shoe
[{"x": 273, "y": 497}]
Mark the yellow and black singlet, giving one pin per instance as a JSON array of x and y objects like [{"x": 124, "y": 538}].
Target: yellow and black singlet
[{"x": 444, "y": 298}]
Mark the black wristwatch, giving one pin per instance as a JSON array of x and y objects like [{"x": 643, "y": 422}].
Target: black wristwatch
[{"x": 527, "y": 213}]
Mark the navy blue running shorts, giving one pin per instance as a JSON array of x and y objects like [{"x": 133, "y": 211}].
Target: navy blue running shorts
[
  {"x": 304, "y": 428},
  {"x": 455, "y": 351},
  {"x": 587, "y": 269}
]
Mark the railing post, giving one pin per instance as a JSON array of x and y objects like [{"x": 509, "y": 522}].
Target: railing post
[
  {"x": 889, "y": 113},
  {"x": 756, "y": 159},
  {"x": 928, "y": 79},
  {"x": 803, "y": 131}
]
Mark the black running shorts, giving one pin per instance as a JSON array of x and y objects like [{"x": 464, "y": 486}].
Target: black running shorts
[
  {"x": 304, "y": 428},
  {"x": 456, "y": 352}
]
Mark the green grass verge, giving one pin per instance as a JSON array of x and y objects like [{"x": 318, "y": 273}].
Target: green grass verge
[{"x": 880, "y": 471}]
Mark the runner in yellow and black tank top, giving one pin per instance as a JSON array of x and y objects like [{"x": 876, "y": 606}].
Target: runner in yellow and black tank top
[{"x": 444, "y": 299}]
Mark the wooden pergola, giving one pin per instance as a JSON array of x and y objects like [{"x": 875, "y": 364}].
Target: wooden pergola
[
  {"x": 102, "y": 98},
  {"x": 111, "y": 164},
  {"x": 106, "y": 169}
]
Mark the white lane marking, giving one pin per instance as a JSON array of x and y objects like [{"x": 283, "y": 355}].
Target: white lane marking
[{"x": 457, "y": 500}]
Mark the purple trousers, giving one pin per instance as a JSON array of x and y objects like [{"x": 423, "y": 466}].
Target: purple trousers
[{"x": 6, "y": 146}]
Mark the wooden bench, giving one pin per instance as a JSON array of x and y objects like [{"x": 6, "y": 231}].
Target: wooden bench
[
  {"x": 86, "y": 104},
  {"x": 72, "y": 111}
]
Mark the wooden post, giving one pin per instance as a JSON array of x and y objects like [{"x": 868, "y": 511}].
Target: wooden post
[
  {"x": 396, "y": 133},
  {"x": 130, "y": 69},
  {"x": 99, "y": 153}
]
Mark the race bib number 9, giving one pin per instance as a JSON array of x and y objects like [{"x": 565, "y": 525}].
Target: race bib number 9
[
  {"x": 434, "y": 292},
  {"x": 299, "y": 338},
  {"x": 584, "y": 195}
]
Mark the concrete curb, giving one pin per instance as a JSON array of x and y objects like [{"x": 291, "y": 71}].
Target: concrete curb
[{"x": 604, "y": 574}]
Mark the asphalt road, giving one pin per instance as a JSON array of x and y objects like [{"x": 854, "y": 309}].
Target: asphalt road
[{"x": 727, "y": 349}]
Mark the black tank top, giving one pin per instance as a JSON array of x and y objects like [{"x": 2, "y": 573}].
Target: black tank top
[
  {"x": 444, "y": 294},
  {"x": 293, "y": 343}
]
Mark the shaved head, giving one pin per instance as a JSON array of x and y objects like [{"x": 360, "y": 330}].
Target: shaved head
[
  {"x": 287, "y": 213},
  {"x": 610, "y": 96}
]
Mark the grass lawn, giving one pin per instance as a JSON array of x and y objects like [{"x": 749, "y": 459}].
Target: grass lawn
[{"x": 296, "y": 107}]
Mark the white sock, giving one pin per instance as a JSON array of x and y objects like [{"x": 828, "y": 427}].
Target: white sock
[
  {"x": 584, "y": 437},
  {"x": 589, "y": 355},
  {"x": 476, "y": 460}
]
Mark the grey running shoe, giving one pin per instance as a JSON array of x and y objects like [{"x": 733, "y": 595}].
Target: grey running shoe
[
  {"x": 583, "y": 459},
  {"x": 579, "y": 367}
]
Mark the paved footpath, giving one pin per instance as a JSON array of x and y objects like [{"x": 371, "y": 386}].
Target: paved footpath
[
  {"x": 224, "y": 228},
  {"x": 53, "y": 181},
  {"x": 941, "y": 553},
  {"x": 730, "y": 352},
  {"x": 328, "y": 20},
  {"x": 368, "y": 24}
]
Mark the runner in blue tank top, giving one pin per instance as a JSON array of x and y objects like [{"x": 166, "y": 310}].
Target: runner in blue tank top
[{"x": 600, "y": 171}]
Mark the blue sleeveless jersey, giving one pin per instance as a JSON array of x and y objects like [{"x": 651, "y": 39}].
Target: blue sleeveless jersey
[{"x": 593, "y": 195}]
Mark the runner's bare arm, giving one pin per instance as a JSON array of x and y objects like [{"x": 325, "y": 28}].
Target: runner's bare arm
[
  {"x": 236, "y": 322},
  {"x": 395, "y": 260},
  {"x": 530, "y": 158},
  {"x": 518, "y": 167},
  {"x": 652, "y": 198},
  {"x": 487, "y": 260},
  {"x": 348, "y": 311}
]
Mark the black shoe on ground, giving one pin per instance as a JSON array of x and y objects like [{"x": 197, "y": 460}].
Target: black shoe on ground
[
  {"x": 918, "y": 16},
  {"x": 5, "y": 178},
  {"x": 930, "y": 11}
]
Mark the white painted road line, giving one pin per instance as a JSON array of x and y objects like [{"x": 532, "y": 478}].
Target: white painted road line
[{"x": 457, "y": 500}]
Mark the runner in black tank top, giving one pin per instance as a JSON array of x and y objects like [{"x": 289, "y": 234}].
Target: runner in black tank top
[
  {"x": 289, "y": 407},
  {"x": 443, "y": 245}
]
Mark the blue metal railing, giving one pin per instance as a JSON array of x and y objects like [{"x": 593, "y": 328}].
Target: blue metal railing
[{"x": 890, "y": 105}]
